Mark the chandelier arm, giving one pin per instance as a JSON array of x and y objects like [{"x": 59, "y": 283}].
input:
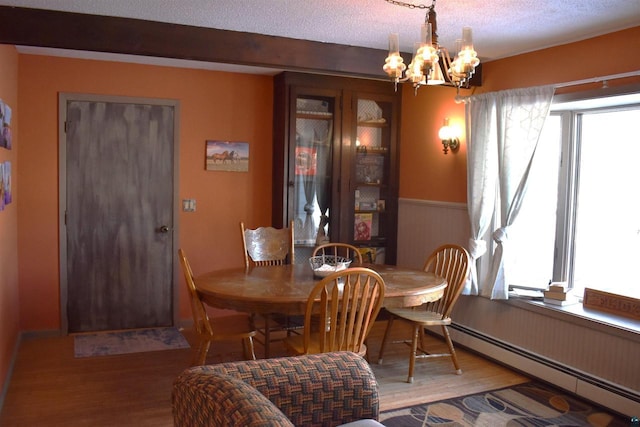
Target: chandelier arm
[{"x": 444, "y": 54}]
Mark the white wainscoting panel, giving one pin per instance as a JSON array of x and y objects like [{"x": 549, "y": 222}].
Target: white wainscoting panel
[{"x": 424, "y": 225}]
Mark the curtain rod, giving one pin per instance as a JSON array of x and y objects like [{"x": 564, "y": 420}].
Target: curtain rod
[
  {"x": 464, "y": 99},
  {"x": 598, "y": 79}
]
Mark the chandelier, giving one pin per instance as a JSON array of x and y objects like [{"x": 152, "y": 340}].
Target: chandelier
[{"x": 425, "y": 68}]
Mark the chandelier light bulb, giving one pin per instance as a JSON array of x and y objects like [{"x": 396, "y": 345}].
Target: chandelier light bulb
[
  {"x": 394, "y": 64},
  {"x": 414, "y": 72}
]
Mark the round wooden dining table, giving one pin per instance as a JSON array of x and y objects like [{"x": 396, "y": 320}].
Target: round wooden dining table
[{"x": 286, "y": 288}]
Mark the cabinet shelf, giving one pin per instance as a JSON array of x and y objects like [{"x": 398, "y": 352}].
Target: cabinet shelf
[
  {"x": 363, "y": 149},
  {"x": 375, "y": 241},
  {"x": 314, "y": 116},
  {"x": 371, "y": 184},
  {"x": 373, "y": 124}
]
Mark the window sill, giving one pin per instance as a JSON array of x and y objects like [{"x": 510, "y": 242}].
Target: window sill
[{"x": 598, "y": 320}]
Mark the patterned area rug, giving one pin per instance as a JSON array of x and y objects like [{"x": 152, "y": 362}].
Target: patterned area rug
[
  {"x": 130, "y": 341},
  {"x": 530, "y": 404}
]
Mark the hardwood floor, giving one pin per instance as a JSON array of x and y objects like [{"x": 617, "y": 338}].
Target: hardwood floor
[{"x": 49, "y": 387}]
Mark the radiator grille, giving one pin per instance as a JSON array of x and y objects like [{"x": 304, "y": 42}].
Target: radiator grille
[{"x": 582, "y": 354}]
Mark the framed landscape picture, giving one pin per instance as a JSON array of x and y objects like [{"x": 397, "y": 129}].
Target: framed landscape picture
[{"x": 227, "y": 156}]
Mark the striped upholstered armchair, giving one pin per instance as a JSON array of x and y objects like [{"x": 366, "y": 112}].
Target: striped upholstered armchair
[{"x": 328, "y": 389}]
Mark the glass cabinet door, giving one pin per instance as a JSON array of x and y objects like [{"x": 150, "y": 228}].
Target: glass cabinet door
[
  {"x": 312, "y": 183},
  {"x": 330, "y": 188},
  {"x": 372, "y": 193}
]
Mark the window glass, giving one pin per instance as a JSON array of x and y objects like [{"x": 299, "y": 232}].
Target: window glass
[
  {"x": 593, "y": 238},
  {"x": 607, "y": 228},
  {"x": 532, "y": 236}
]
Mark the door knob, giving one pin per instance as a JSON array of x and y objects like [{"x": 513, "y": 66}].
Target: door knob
[{"x": 164, "y": 229}]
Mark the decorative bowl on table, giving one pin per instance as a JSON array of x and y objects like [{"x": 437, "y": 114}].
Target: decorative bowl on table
[{"x": 323, "y": 265}]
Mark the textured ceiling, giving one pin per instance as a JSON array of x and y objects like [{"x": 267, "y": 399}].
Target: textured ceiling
[{"x": 501, "y": 28}]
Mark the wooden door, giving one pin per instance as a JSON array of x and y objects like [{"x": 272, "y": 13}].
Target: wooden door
[{"x": 119, "y": 215}]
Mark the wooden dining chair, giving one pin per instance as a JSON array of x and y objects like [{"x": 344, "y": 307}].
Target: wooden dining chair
[
  {"x": 268, "y": 246},
  {"x": 226, "y": 328},
  {"x": 340, "y": 312},
  {"x": 339, "y": 249},
  {"x": 453, "y": 263}
]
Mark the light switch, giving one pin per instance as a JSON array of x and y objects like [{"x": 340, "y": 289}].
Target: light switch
[{"x": 189, "y": 205}]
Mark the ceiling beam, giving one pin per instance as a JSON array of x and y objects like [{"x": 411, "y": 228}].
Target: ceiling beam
[
  {"x": 65, "y": 30},
  {"x": 76, "y": 31}
]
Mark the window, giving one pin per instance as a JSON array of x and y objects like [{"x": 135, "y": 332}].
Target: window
[
  {"x": 580, "y": 220},
  {"x": 533, "y": 235}
]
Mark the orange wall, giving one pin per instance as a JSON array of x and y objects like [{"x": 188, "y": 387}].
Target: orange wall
[
  {"x": 235, "y": 107},
  {"x": 427, "y": 174},
  {"x": 9, "y": 290},
  {"x": 213, "y": 105},
  {"x": 600, "y": 56}
]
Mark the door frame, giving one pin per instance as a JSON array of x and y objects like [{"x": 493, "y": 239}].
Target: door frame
[{"x": 63, "y": 99}]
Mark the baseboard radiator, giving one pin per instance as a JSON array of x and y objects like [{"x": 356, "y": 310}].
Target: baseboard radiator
[
  {"x": 619, "y": 399},
  {"x": 553, "y": 351}
]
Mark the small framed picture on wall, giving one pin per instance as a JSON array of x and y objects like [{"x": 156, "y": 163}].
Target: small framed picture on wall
[{"x": 227, "y": 156}]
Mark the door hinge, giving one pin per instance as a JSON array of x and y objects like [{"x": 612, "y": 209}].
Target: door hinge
[{"x": 66, "y": 126}]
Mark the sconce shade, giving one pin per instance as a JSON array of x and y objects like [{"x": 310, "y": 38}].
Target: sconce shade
[
  {"x": 445, "y": 132},
  {"x": 449, "y": 135}
]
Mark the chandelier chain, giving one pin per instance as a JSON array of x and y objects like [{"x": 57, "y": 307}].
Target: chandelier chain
[{"x": 411, "y": 5}]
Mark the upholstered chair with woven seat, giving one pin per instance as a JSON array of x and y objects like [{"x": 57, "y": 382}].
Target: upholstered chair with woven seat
[
  {"x": 453, "y": 263},
  {"x": 223, "y": 328},
  {"x": 329, "y": 389}
]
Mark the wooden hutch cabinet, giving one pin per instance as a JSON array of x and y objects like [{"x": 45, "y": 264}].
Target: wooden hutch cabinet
[{"x": 335, "y": 164}]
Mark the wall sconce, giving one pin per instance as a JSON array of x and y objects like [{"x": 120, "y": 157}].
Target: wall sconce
[{"x": 450, "y": 137}]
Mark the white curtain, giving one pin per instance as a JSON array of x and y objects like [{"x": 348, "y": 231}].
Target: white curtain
[
  {"x": 504, "y": 128},
  {"x": 482, "y": 173}
]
